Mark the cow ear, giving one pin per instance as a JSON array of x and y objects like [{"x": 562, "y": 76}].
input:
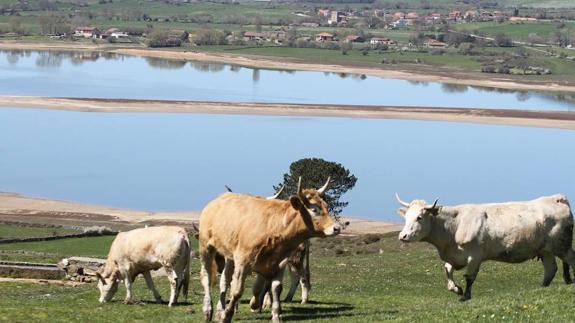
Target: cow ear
[
  {"x": 432, "y": 211},
  {"x": 295, "y": 202},
  {"x": 401, "y": 211}
]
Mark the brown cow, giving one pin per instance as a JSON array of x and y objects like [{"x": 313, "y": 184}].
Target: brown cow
[{"x": 257, "y": 234}]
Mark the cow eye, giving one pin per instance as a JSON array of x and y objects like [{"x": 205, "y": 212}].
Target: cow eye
[{"x": 419, "y": 218}]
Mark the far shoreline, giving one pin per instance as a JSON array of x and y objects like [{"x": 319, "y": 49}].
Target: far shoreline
[
  {"x": 15, "y": 207},
  {"x": 525, "y": 118},
  {"x": 287, "y": 63}
]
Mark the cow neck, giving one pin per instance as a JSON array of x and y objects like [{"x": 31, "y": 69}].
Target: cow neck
[
  {"x": 296, "y": 231},
  {"x": 441, "y": 229}
]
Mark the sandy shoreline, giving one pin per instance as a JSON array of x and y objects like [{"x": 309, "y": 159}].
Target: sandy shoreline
[
  {"x": 18, "y": 208},
  {"x": 543, "y": 119},
  {"x": 297, "y": 65}
]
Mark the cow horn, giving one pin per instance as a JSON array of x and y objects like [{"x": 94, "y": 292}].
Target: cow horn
[
  {"x": 434, "y": 204},
  {"x": 400, "y": 201},
  {"x": 276, "y": 195},
  {"x": 323, "y": 188},
  {"x": 299, "y": 189},
  {"x": 228, "y": 189},
  {"x": 195, "y": 227}
]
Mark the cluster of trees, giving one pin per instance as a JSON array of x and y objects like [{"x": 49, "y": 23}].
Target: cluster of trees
[{"x": 166, "y": 38}]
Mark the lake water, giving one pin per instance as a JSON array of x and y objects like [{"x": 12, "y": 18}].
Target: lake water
[
  {"x": 105, "y": 75},
  {"x": 182, "y": 161}
]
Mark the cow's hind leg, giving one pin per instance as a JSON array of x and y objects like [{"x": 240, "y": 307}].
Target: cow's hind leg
[
  {"x": 471, "y": 272},
  {"x": 568, "y": 260},
  {"x": 295, "y": 278},
  {"x": 259, "y": 291},
  {"x": 550, "y": 267},
  {"x": 566, "y": 273},
  {"x": 276, "y": 290},
  {"x": 152, "y": 287},
  {"x": 174, "y": 282},
  {"x": 225, "y": 280},
  {"x": 128, "y": 281},
  {"x": 451, "y": 285},
  {"x": 237, "y": 287},
  {"x": 206, "y": 259}
]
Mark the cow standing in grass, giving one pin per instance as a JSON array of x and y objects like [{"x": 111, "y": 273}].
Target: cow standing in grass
[
  {"x": 513, "y": 232},
  {"x": 297, "y": 264},
  {"x": 141, "y": 250},
  {"x": 257, "y": 234}
]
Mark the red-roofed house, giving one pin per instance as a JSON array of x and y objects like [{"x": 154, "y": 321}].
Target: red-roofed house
[
  {"x": 323, "y": 37},
  {"x": 87, "y": 32}
]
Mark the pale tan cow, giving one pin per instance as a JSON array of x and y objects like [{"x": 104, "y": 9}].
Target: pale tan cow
[
  {"x": 467, "y": 235},
  {"x": 141, "y": 250},
  {"x": 257, "y": 234}
]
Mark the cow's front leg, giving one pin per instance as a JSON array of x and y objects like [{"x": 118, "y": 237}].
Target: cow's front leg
[
  {"x": 225, "y": 280},
  {"x": 276, "y": 290},
  {"x": 152, "y": 287},
  {"x": 451, "y": 285},
  {"x": 470, "y": 275},
  {"x": 128, "y": 282},
  {"x": 237, "y": 287}
]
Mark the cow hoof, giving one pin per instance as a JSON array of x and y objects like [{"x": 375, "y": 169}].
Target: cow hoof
[
  {"x": 457, "y": 290},
  {"x": 464, "y": 299},
  {"x": 276, "y": 318},
  {"x": 208, "y": 316},
  {"x": 129, "y": 302}
]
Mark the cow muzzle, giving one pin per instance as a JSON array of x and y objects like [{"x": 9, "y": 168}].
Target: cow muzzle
[
  {"x": 333, "y": 230},
  {"x": 404, "y": 237}
]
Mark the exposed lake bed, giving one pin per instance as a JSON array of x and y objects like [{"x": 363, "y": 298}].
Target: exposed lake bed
[{"x": 178, "y": 161}]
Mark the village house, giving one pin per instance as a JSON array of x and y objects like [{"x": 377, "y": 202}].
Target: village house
[
  {"x": 381, "y": 41},
  {"x": 336, "y": 17},
  {"x": 323, "y": 12},
  {"x": 470, "y": 15},
  {"x": 398, "y": 15},
  {"x": 320, "y": 37},
  {"x": 434, "y": 43},
  {"x": 87, "y": 32},
  {"x": 435, "y": 16},
  {"x": 398, "y": 24},
  {"x": 114, "y": 33},
  {"x": 455, "y": 15},
  {"x": 354, "y": 39}
]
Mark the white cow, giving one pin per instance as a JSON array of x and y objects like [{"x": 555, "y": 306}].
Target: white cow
[
  {"x": 467, "y": 235},
  {"x": 142, "y": 250}
]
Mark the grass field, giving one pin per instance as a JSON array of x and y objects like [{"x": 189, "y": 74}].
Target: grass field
[
  {"x": 363, "y": 279},
  {"x": 12, "y": 231},
  {"x": 518, "y": 31}
]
